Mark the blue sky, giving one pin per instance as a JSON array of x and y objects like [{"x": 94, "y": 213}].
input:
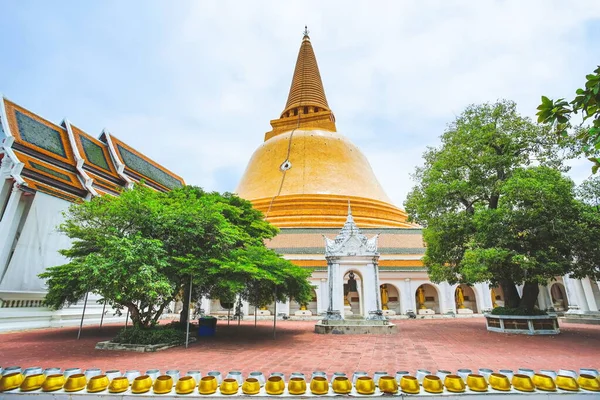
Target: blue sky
[{"x": 193, "y": 84}]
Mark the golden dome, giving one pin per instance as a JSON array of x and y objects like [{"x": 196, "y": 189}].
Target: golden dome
[{"x": 305, "y": 173}]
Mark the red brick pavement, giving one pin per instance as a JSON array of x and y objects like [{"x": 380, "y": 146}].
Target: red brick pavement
[{"x": 431, "y": 344}]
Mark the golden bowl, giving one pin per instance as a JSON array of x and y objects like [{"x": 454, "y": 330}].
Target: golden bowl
[
  {"x": 251, "y": 386},
  {"x": 410, "y": 384},
  {"x": 297, "y": 386},
  {"x": 53, "y": 382},
  {"x": 589, "y": 382},
  {"x": 523, "y": 383},
  {"x": 388, "y": 384},
  {"x": 544, "y": 382},
  {"x": 32, "y": 382},
  {"x": 75, "y": 383},
  {"x": 275, "y": 385},
  {"x": 341, "y": 385},
  {"x": 230, "y": 386},
  {"x": 208, "y": 385},
  {"x": 365, "y": 385},
  {"x": 118, "y": 385},
  {"x": 433, "y": 384},
  {"x": 477, "y": 383},
  {"x": 319, "y": 385},
  {"x": 11, "y": 381},
  {"x": 185, "y": 385},
  {"x": 454, "y": 384},
  {"x": 163, "y": 384},
  {"x": 142, "y": 384},
  {"x": 97, "y": 383},
  {"x": 499, "y": 382},
  {"x": 565, "y": 382}
]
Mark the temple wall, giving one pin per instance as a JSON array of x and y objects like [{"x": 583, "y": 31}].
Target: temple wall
[{"x": 37, "y": 245}]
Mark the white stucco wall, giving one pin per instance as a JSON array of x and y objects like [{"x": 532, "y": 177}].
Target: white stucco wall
[{"x": 38, "y": 245}]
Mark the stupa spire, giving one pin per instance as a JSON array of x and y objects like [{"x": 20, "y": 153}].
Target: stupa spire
[
  {"x": 306, "y": 106},
  {"x": 307, "y": 87}
]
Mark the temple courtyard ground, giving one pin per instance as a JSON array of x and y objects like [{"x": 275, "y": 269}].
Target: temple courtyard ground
[{"x": 430, "y": 344}]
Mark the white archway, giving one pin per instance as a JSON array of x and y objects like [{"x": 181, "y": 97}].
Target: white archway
[
  {"x": 432, "y": 297},
  {"x": 394, "y": 301}
]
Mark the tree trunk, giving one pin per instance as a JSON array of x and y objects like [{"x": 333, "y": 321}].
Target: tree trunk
[
  {"x": 511, "y": 295},
  {"x": 134, "y": 314},
  {"x": 530, "y": 295},
  {"x": 183, "y": 316}
]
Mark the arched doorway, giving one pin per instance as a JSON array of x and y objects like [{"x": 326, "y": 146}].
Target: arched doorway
[
  {"x": 310, "y": 306},
  {"x": 497, "y": 296},
  {"x": 352, "y": 293},
  {"x": 465, "y": 298},
  {"x": 427, "y": 298},
  {"x": 559, "y": 297},
  {"x": 390, "y": 293}
]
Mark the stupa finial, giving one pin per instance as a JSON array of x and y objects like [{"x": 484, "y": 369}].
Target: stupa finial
[
  {"x": 349, "y": 208},
  {"x": 306, "y": 32}
]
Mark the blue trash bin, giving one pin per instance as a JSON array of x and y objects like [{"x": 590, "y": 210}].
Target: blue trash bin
[{"x": 207, "y": 326}]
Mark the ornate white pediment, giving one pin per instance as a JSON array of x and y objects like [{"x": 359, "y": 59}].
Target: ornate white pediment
[{"x": 350, "y": 241}]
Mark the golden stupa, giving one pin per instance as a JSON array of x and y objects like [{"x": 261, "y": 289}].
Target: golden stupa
[{"x": 305, "y": 173}]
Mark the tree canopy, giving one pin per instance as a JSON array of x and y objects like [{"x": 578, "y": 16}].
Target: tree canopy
[
  {"x": 140, "y": 250},
  {"x": 559, "y": 113},
  {"x": 494, "y": 204}
]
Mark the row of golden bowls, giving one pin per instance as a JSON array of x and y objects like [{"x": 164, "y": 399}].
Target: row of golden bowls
[{"x": 319, "y": 385}]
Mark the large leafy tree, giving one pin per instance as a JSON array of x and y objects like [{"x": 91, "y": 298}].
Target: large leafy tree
[
  {"x": 141, "y": 249},
  {"x": 559, "y": 113},
  {"x": 489, "y": 216},
  {"x": 588, "y": 228}
]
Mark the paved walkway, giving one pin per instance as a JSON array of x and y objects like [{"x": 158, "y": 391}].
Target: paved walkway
[{"x": 431, "y": 344}]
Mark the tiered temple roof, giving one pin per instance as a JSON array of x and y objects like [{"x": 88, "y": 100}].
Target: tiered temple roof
[{"x": 66, "y": 162}]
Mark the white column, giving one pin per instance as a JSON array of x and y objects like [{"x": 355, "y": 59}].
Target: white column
[
  {"x": 283, "y": 307},
  {"x": 322, "y": 296},
  {"x": 544, "y": 300},
  {"x": 205, "y": 305},
  {"x": 370, "y": 290},
  {"x": 572, "y": 297},
  {"x": 405, "y": 301},
  {"x": 486, "y": 297},
  {"x": 245, "y": 308},
  {"x": 9, "y": 225},
  {"x": 336, "y": 288},
  {"x": 447, "y": 303},
  {"x": 580, "y": 293},
  {"x": 414, "y": 285},
  {"x": 589, "y": 294}
]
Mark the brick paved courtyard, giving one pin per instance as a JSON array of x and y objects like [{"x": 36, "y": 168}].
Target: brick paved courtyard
[{"x": 431, "y": 344}]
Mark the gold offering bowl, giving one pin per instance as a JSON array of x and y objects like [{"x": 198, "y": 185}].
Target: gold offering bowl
[
  {"x": 523, "y": 383},
  {"x": 118, "y": 385},
  {"x": 185, "y": 385},
  {"x": 433, "y": 384},
  {"x": 208, "y": 385},
  {"x": 33, "y": 382},
  {"x": 565, "y": 382},
  {"x": 229, "y": 386},
  {"x": 499, "y": 382},
  {"x": 11, "y": 381},
  {"x": 53, "y": 382},
  {"x": 410, "y": 384},
  {"x": 319, "y": 385},
  {"x": 275, "y": 385},
  {"x": 477, "y": 383},
  {"x": 388, "y": 384},
  {"x": 365, "y": 385},
  {"x": 251, "y": 386},
  {"x": 341, "y": 385},
  {"x": 297, "y": 386},
  {"x": 454, "y": 383},
  {"x": 97, "y": 383},
  {"x": 163, "y": 384},
  {"x": 75, "y": 383},
  {"x": 142, "y": 384},
  {"x": 544, "y": 382},
  {"x": 589, "y": 382}
]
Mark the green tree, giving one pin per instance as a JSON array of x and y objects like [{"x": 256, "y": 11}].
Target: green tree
[
  {"x": 141, "y": 249},
  {"x": 588, "y": 229},
  {"x": 559, "y": 113},
  {"x": 487, "y": 215}
]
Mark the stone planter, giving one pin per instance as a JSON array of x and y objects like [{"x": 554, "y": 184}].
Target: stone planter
[
  {"x": 523, "y": 324},
  {"x": 141, "y": 348}
]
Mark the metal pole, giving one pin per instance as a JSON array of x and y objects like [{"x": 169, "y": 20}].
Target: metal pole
[
  {"x": 275, "y": 314},
  {"x": 102, "y": 317},
  {"x": 228, "y": 313},
  {"x": 255, "y": 306},
  {"x": 126, "y": 318},
  {"x": 239, "y": 310},
  {"x": 187, "y": 328},
  {"x": 82, "y": 315}
]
